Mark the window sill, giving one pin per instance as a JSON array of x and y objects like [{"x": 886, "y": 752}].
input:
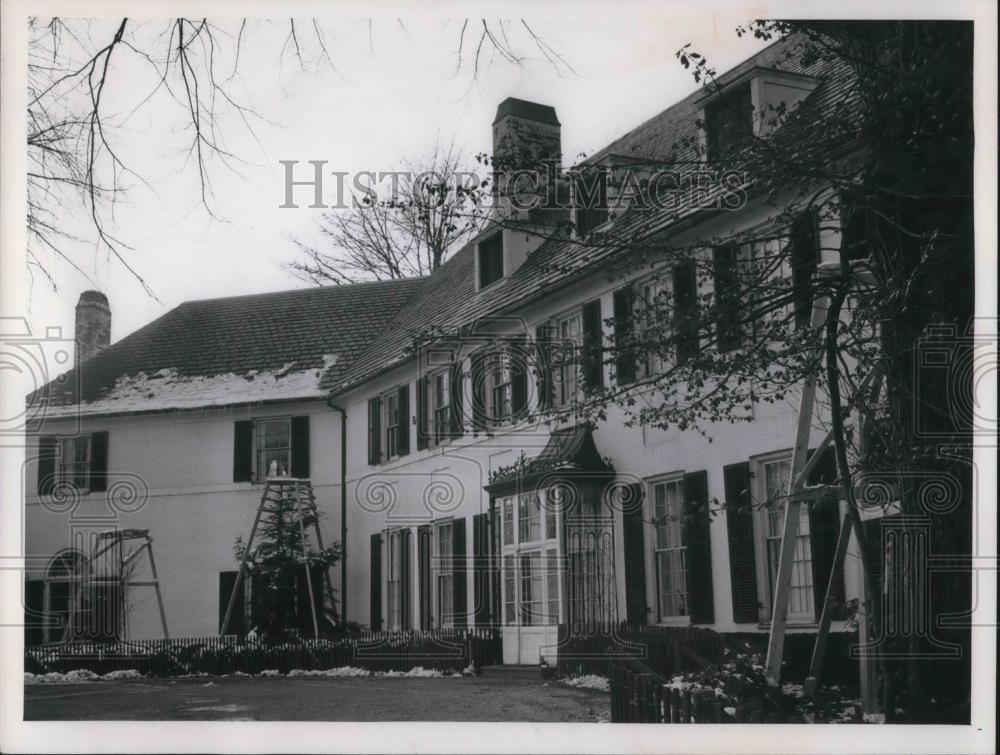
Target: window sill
[{"x": 796, "y": 624}]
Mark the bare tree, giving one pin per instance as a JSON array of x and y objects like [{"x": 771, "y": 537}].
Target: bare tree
[
  {"x": 75, "y": 163},
  {"x": 405, "y": 228}
]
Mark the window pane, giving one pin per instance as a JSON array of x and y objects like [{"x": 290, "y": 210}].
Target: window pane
[
  {"x": 552, "y": 585},
  {"x": 671, "y": 550}
]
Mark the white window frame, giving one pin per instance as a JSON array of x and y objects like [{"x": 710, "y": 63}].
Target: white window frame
[
  {"x": 261, "y": 474},
  {"x": 545, "y": 547},
  {"x": 75, "y": 472},
  {"x": 563, "y": 397},
  {"x": 654, "y": 550},
  {"x": 801, "y": 602},
  {"x": 443, "y": 574},
  {"x": 390, "y": 407},
  {"x": 394, "y": 579},
  {"x": 439, "y": 413},
  {"x": 646, "y": 290},
  {"x": 499, "y": 380}
]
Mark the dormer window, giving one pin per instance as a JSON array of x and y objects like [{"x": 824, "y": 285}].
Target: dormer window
[
  {"x": 490, "y": 254},
  {"x": 590, "y": 189},
  {"x": 729, "y": 123}
]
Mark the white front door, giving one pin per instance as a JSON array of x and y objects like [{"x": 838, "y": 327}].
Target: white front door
[{"x": 531, "y": 587}]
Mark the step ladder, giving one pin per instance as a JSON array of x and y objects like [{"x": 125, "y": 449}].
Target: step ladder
[
  {"x": 278, "y": 491},
  {"x": 107, "y": 542}
]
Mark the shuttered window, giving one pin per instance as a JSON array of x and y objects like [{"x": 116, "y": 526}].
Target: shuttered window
[
  {"x": 685, "y": 291},
  {"x": 78, "y": 461},
  {"x": 728, "y": 310},
  {"x": 729, "y": 123},
  {"x": 374, "y": 430},
  {"x": 271, "y": 447},
  {"x": 739, "y": 531},
  {"x": 490, "y": 260},
  {"x": 699, "y": 548},
  {"x": 670, "y": 549}
]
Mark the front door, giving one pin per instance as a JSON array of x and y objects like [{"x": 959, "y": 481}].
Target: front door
[{"x": 531, "y": 588}]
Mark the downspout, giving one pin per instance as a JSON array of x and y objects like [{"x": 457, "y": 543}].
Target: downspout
[{"x": 343, "y": 508}]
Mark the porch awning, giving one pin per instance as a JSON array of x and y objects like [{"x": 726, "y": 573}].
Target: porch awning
[{"x": 569, "y": 449}]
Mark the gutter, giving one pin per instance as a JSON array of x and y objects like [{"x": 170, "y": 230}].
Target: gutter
[{"x": 343, "y": 508}]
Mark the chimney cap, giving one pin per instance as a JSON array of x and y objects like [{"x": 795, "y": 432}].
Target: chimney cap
[
  {"x": 92, "y": 297},
  {"x": 531, "y": 111}
]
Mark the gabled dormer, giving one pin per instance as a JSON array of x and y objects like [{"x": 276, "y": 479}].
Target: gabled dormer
[
  {"x": 500, "y": 251},
  {"x": 749, "y": 106}
]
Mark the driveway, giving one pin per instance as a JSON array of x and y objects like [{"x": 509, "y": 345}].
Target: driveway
[{"x": 316, "y": 699}]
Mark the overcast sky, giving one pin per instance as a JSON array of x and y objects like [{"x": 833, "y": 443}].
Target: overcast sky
[{"x": 393, "y": 94}]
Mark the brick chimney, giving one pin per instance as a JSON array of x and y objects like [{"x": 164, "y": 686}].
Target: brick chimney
[
  {"x": 93, "y": 324},
  {"x": 525, "y": 135}
]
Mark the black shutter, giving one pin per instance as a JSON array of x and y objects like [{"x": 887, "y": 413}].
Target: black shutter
[
  {"x": 739, "y": 528},
  {"x": 424, "y": 575},
  {"x": 98, "y": 461},
  {"x": 804, "y": 253},
  {"x": 874, "y": 550},
  {"x": 227, "y": 580},
  {"x": 403, "y": 437},
  {"x": 699, "y": 549},
  {"x": 406, "y": 621},
  {"x": 34, "y": 611},
  {"x": 624, "y": 356},
  {"x": 727, "y": 298},
  {"x": 543, "y": 376},
  {"x": 47, "y": 446},
  {"x": 480, "y": 569},
  {"x": 300, "y": 447},
  {"x": 302, "y": 604},
  {"x": 423, "y": 384},
  {"x": 685, "y": 283},
  {"x": 243, "y": 450},
  {"x": 593, "y": 343},
  {"x": 519, "y": 379},
  {"x": 824, "y": 528},
  {"x": 375, "y": 610},
  {"x": 458, "y": 571},
  {"x": 457, "y": 399},
  {"x": 634, "y": 545},
  {"x": 374, "y": 430},
  {"x": 478, "y": 375}
]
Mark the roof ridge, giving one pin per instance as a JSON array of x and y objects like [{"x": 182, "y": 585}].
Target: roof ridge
[{"x": 308, "y": 289}]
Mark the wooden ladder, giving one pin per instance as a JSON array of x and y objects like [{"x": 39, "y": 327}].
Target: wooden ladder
[{"x": 277, "y": 490}]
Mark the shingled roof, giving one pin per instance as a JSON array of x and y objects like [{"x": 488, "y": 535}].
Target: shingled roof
[
  {"x": 450, "y": 302},
  {"x": 259, "y": 347}
]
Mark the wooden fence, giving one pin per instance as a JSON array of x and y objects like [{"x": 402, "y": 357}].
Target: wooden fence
[
  {"x": 662, "y": 650},
  {"x": 644, "y": 698},
  {"x": 446, "y": 650}
]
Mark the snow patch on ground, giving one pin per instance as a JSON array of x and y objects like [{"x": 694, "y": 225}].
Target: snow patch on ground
[
  {"x": 342, "y": 671},
  {"x": 79, "y": 675},
  {"x": 874, "y": 718},
  {"x": 416, "y": 671},
  {"x": 589, "y": 681},
  {"x": 166, "y": 389}
]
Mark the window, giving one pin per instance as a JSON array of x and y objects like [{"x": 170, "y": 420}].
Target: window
[
  {"x": 772, "y": 480},
  {"x": 500, "y": 386},
  {"x": 445, "y": 575},
  {"x": 670, "y": 550},
  {"x": 529, "y": 508},
  {"x": 74, "y": 462},
  {"x": 590, "y": 200},
  {"x": 653, "y": 296},
  {"x": 509, "y": 589},
  {"x": 729, "y": 123},
  {"x": 441, "y": 403},
  {"x": 565, "y": 364},
  {"x": 392, "y": 425},
  {"x": 63, "y": 592},
  {"x": 490, "y": 260},
  {"x": 685, "y": 288},
  {"x": 395, "y": 580},
  {"x": 274, "y": 447},
  {"x": 532, "y": 579}
]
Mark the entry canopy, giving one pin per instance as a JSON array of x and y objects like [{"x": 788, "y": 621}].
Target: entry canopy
[{"x": 569, "y": 452}]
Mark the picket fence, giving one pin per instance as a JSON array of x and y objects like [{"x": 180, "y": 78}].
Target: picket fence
[{"x": 446, "y": 650}]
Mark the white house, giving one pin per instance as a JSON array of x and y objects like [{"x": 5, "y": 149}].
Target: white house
[{"x": 463, "y": 507}]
